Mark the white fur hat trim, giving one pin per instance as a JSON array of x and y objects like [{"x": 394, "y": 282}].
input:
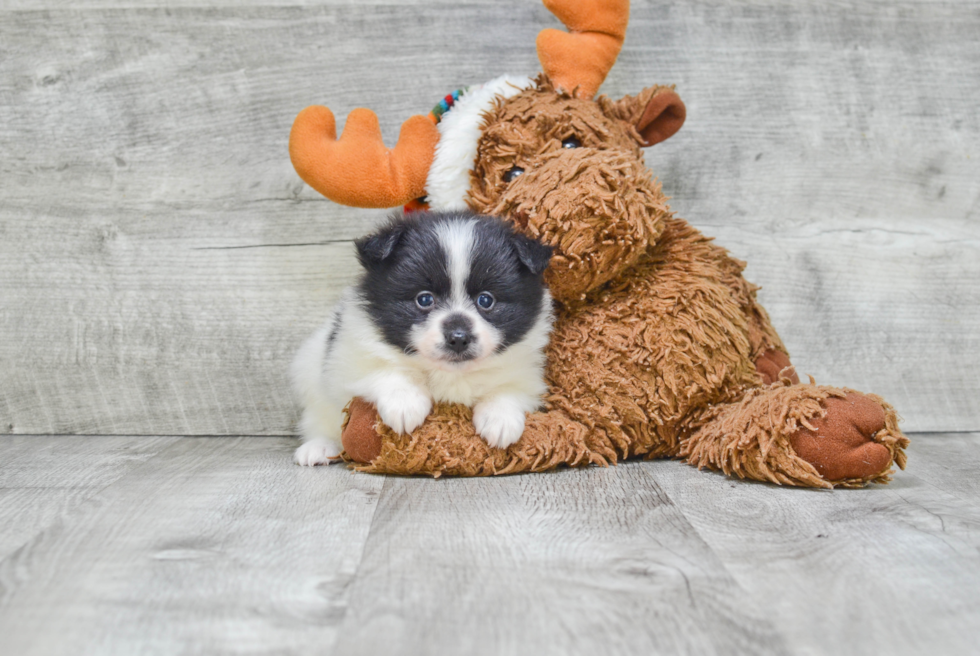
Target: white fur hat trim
[{"x": 459, "y": 129}]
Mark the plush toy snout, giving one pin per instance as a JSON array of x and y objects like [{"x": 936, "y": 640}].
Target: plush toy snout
[{"x": 598, "y": 209}]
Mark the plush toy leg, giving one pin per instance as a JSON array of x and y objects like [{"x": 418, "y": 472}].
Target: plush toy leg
[
  {"x": 772, "y": 364},
  {"x": 804, "y": 435},
  {"x": 447, "y": 444},
  {"x": 361, "y": 442}
]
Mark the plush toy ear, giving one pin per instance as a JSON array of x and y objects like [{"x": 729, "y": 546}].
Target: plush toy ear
[
  {"x": 374, "y": 249},
  {"x": 655, "y": 113},
  {"x": 532, "y": 254},
  {"x": 662, "y": 117}
]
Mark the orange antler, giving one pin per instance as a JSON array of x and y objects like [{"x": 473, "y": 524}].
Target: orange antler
[
  {"x": 577, "y": 61},
  {"x": 357, "y": 169}
]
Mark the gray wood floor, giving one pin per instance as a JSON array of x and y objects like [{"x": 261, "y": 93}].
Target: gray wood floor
[{"x": 212, "y": 545}]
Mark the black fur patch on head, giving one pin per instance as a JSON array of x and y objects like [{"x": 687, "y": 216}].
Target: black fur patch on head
[
  {"x": 405, "y": 257},
  {"x": 509, "y": 266},
  {"x": 400, "y": 260},
  {"x": 375, "y": 248}
]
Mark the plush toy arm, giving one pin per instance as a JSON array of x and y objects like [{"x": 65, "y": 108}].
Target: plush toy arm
[
  {"x": 448, "y": 444},
  {"x": 765, "y": 347},
  {"x": 770, "y": 356}
]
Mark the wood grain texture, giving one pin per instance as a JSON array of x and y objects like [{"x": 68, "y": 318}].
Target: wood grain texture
[
  {"x": 43, "y": 480},
  {"x": 889, "y": 569},
  {"x": 221, "y": 545},
  {"x": 160, "y": 260},
  {"x": 150, "y": 339},
  {"x": 151, "y": 4},
  {"x": 948, "y": 461},
  {"x": 584, "y": 562},
  {"x": 213, "y": 546}
]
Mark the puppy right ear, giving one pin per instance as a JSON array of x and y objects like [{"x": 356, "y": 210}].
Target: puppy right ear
[
  {"x": 532, "y": 254},
  {"x": 378, "y": 247}
]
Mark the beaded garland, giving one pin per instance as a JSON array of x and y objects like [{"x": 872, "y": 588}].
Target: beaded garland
[
  {"x": 443, "y": 106},
  {"x": 446, "y": 104}
]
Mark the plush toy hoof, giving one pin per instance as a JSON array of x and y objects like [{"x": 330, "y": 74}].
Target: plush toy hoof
[
  {"x": 361, "y": 442},
  {"x": 843, "y": 446},
  {"x": 771, "y": 363}
]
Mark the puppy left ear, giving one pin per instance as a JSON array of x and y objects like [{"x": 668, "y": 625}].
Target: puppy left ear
[
  {"x": 532, "y": 254},
  {"x": 378, "y": 247}
]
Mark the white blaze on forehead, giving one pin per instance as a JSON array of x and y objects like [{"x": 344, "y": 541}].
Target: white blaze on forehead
[
  {"x": 459, "y": 132},
  {"x": 456, "y": 239}
]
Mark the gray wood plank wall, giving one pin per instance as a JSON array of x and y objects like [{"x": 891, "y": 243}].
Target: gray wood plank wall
[{"x": 160, "y": 260}]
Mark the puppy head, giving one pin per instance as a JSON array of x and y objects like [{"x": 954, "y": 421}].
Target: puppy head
[{"x": 452, "y": 288}]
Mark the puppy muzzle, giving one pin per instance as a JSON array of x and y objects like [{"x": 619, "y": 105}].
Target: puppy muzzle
[{"x": 459, "y": 341}]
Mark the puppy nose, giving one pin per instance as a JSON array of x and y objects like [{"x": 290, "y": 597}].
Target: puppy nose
[
  {"x": 456, "y": 332},
  {"x": 458, "y": 340}
]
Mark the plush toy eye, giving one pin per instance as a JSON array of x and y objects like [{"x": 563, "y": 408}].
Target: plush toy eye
[
  {"x": 485, "y": 300},
  {"x": 425, "y": 300},
  {"x": 571, "y": 142},
  {"x": 513, "y": 173}
]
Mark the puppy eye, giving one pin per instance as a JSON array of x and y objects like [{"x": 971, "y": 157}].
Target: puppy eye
[
  {"x": 513, "y": 173},
  {"x": 571, "y": 142},
  {"x": 485, "y": 300},
  {"x": 425, "y": 300}
]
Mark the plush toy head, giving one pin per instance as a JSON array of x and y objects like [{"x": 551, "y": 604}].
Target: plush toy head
[
  {"x": 569, "y": 171},
  {"x": 542, "y": 153}
]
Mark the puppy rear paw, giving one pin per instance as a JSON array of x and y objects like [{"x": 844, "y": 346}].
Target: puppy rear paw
[
  {"x": 405, "y": 411},
  {"x": 499, "y": 421},
  {"x": 317, "y": 452}
]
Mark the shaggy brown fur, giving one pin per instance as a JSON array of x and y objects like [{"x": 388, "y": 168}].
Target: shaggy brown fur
[
  {"x": 659, "y": 346},
  {"x": 596, "y": 204}
]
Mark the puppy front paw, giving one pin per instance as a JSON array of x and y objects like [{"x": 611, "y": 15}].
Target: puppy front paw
[
  {"x": 405, "y": 410},
  {"x": 317, "y": 452},
  {"x": 499, "y": 421}
]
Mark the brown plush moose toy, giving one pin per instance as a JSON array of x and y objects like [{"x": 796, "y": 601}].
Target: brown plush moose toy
[{"x": 659, "y": 346}]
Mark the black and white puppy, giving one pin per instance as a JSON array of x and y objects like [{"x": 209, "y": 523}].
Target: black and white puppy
[{"x": 450, "y": 307}]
